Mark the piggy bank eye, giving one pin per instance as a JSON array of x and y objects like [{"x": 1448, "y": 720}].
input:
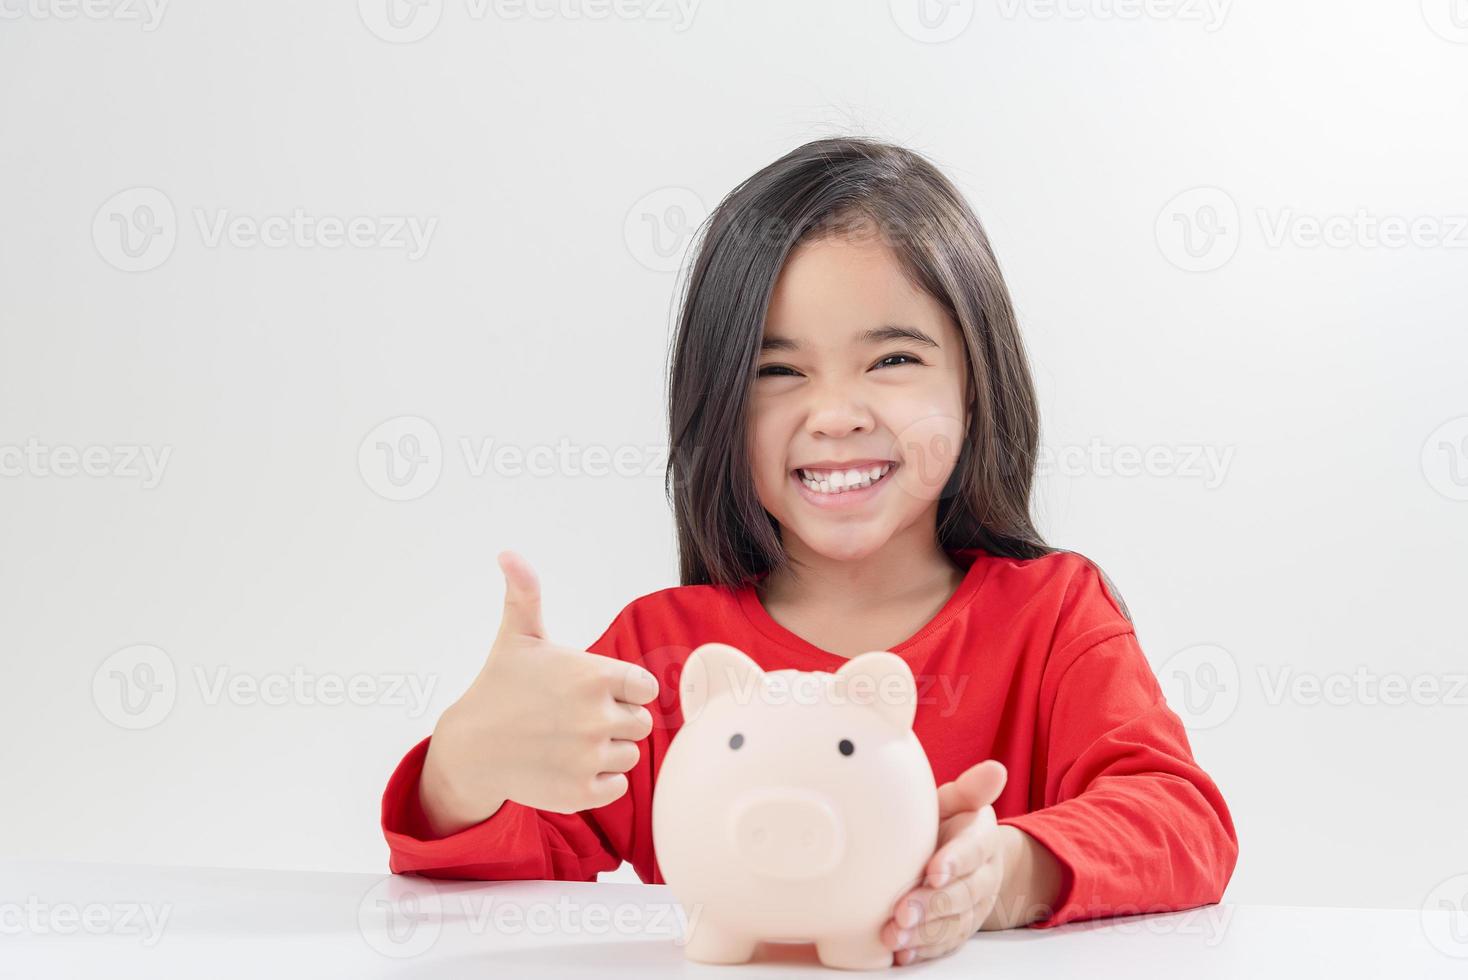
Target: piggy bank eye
[
  {"x": 846, "y": 747},
  {"x": 736, "y": 740}
]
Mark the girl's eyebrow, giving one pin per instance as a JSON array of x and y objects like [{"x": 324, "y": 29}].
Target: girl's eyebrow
[{"x": 876, "y": 335}]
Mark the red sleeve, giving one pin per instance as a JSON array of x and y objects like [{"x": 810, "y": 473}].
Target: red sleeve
[
  {"x": 517, "y": 842},
  {"x": 1135, "y": 823}
]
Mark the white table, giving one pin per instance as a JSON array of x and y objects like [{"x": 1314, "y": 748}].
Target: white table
[{"x": 95, "y": 920}]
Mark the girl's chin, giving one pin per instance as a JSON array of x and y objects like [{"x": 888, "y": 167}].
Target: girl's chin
[{"x": 838, "y": 543}]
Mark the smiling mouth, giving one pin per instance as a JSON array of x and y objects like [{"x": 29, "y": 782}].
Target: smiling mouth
[{"x": 834, "y": 483}]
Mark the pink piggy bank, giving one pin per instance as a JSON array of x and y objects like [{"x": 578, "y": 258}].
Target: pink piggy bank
[{"x": 793, "y": 806}]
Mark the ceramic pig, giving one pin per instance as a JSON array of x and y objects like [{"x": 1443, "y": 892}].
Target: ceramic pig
[{"x": 793, "y": 806}]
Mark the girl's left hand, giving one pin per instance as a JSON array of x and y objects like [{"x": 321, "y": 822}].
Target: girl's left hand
[{"x": 962, "y": 879}]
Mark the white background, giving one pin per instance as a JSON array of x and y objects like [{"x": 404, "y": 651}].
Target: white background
[{"x": 1324, "y": 546}]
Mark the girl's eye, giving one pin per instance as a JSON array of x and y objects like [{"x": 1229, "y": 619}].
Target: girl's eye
[{"x": 770, "y": 370}]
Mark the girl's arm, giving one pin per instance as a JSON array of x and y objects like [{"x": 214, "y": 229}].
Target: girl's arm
[
  {"x": 1133, "y": 822},
  {"x": 517, "y": 842}
]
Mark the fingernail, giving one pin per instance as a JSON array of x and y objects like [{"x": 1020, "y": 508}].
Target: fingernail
[
  {"x": 938, "y": 879},
  {"x": 903, "y": 935}
]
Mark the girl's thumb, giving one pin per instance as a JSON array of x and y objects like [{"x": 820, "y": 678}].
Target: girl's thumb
[
  {"x": 522, "y": 597},
  {"x": 977, "y": 787}
]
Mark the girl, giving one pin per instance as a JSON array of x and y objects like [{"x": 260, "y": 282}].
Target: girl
[{"x": 853, "y": 434}]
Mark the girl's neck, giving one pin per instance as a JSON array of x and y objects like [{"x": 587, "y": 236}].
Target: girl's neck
[{"x": 907, "y": 565}]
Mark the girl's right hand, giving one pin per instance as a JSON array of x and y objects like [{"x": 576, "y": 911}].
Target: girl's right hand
[{"x": 543, "y": 725}]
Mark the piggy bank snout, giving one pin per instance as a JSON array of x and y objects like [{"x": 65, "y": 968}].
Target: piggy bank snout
[{"x": 787, "y": 834}]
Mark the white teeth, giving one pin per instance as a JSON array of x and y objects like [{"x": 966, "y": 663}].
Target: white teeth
[{"x": 838, "y": 481}]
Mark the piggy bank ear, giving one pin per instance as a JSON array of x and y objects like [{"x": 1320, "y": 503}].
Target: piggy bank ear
[
  {"x": 883, "y": 682},
  {"x": 714, "y": 669}
]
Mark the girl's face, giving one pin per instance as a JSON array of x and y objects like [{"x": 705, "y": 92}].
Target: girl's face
[{"x": 859, "y": 369}]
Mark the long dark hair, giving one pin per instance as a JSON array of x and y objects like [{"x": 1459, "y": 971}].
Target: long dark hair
[{"x": 725, "y": 536}]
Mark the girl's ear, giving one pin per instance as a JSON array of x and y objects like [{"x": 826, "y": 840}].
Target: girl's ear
[
  {"x": 714, "y": 669},
  {"x": 886, "y": 685}
]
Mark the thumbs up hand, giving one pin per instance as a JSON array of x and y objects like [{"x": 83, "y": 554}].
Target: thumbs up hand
[{"x": 547, "y": 726}]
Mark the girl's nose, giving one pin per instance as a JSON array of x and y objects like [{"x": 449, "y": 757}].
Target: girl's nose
[{"x": 835, "y": 413}]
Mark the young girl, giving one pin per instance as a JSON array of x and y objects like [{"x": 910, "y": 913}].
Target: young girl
[{"x": 853, "y": 436}]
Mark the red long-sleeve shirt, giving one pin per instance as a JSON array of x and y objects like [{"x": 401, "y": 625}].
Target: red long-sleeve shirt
[{"x": 1029, "y": 662}]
